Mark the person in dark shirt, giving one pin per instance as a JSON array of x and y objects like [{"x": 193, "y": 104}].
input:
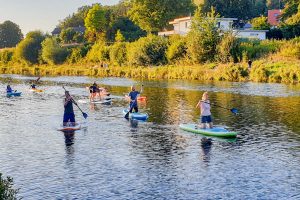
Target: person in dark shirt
[
  {"x": 8, "y": 89},
  {"x": 69, "y": 116},
  {"x": 33, "y": 86},
  {"x": 93, "y": 91},
  {"x": 249, "y": 64},
  {"x": 132, "y": 96}
]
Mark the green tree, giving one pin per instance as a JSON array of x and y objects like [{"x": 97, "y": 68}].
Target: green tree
[
  {"x": 177, "y": 49},
  {"x": 274, "y": 4},
  {"x": 291, "y": 19},
  {"x": 95, "y": 21},
  {"x": 67, "y": 35},
  {"x": 29, "y": 49},
  {"x": 153, "y": 15},
  {"x": 76, "y": 19},
  {"x": 260, "y": 23},
  {"x": 7, "y": 192},
  {"x": 204, "y": 37},
  {"x": 242, "y": 9},
  {"x": 52, "y": 53},
  {"x": 129, "y": 30},
  {"x": 150, "y": 50},
  {"x": 228, "y": 48},
  {"x": 99, "y": 52},
  {"x": 118, "y": 53},
  {"x": 10, "y": 34},
  {"x": 119, "y": 37}
]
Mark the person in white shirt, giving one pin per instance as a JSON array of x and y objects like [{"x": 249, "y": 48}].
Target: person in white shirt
[{"x": 204, "y": 106}]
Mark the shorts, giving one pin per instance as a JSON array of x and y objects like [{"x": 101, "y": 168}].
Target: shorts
[
  {"x": 206, "y": 119},
  {"x": 69, "y": 116}
]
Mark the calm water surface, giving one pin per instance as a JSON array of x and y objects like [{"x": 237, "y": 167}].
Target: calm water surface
[{"x": 116, "y": 159}]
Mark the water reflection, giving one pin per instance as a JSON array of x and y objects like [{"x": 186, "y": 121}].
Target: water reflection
[
  {"x": 125, "y": 155},
  {"x": 133, "y": 124},
  {"x": 206, "y": 144},
  {"x": 69, "y": 137}
]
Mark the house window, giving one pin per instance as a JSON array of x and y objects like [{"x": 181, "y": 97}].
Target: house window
[{"x": 186, "y": 25}]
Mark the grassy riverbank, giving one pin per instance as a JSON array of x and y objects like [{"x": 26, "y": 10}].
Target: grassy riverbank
[{"x": 265, "y": 70}]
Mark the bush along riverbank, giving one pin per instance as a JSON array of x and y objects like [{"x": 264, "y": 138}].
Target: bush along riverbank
[{"x": 262, "y": 71}]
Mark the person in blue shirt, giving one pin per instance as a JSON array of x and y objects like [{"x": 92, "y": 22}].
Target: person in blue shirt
[
  {"x": 8, "y": 89},
  {"x": 132, "y": 96},
  {"x": 33, "y": 86},
  {"x": 69, "y": 116}
]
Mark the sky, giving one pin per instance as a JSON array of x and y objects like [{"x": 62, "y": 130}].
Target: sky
[{"x": 42, "y": 15}]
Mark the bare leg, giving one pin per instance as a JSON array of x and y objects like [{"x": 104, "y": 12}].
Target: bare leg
[
  {"x": 210, "y": 125},
  {"x": 203, "y": 125}
]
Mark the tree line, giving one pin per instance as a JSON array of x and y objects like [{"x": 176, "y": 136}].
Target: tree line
[{"x": 125, "y": 34}]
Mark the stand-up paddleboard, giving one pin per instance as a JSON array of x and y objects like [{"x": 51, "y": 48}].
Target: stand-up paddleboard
[
  {"x": 35, "y": 90},
  {"x": 216, "y": 131},
  {"x": 105, "y": 101},
  {"x": 13, "y": 94},
  {"x": 137, "y": 116},
  {"x": 70, "y": 128},
  {"x": 141, "y": 98}
]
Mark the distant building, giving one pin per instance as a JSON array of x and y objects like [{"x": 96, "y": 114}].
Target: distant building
[
  {"x": 182, "y": 27},
  {"x": 79, "y": 29},
  {"x": 274, "y": 17}
]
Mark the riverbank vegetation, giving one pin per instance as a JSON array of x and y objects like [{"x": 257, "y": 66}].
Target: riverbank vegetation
[
  {"x": 7, "y": 192},
  {"x": 109, "y": 48}
]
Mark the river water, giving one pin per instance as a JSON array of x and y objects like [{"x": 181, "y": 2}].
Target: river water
[{"x": 117, "y": 159}]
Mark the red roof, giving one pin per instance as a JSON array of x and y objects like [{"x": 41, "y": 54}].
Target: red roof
[{"x": 274, "y": 17}]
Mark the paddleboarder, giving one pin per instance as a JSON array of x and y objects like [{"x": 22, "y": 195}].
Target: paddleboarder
[
  {"x": 9, "y": 89},
  {"x": 93, "y": 91},
  {"x": 69, "y": 116},
  {"x": 204, "y": 106},
  {"x": 132, "y": 96}
]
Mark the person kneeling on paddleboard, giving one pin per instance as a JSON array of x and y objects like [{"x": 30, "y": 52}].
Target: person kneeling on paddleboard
[
  {"x": 204, "y": 106},
  {"x": 93, "y": 91},
  {"x": 133, "y": 98},
  {"x": 69, "y": 115},
  {"x": 33, "y": 86},
  {"x": 8, "y": 89}
]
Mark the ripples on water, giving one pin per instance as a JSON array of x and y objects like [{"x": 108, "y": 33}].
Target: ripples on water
[{"x": 117, "y": 159}]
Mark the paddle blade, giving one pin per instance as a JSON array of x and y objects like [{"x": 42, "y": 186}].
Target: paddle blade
[
  {"x": 234, "y": 111},
  {"x": 84, "y": 115},
  {"x": 127, "y": 115}
]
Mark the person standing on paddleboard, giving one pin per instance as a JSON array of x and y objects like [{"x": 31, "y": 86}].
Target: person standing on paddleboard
[
  {"x": 133, "y": 99},
  {"x": 204, "y": 106},
  {"x": 69, "y": 115}
]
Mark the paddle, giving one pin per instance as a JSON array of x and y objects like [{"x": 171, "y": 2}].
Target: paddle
[
  {"x": 83, "y": 113},
  {"x": 127, "y": 114},
  {"x": 233, "y": 110}
]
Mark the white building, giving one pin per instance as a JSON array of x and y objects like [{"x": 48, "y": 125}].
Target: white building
[{"x": 182, "y": 27}]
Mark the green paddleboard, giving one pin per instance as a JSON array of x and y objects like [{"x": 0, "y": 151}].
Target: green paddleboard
[{"x": 216, "y": 131}]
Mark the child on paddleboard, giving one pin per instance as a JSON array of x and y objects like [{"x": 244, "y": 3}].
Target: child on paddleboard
[
  {"x": 204, "y": 105},
  {"x": 69, "y": 115},
  {"x": 132, "y": 96}
]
